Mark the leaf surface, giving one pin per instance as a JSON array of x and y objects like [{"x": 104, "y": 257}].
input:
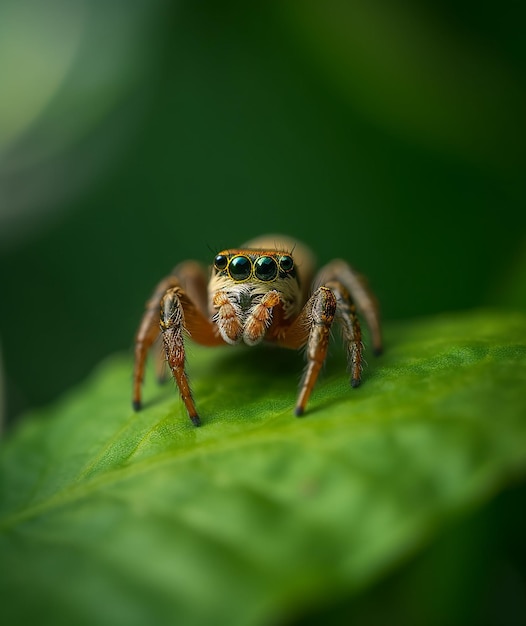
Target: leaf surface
[{"x": 111, "y": 517}]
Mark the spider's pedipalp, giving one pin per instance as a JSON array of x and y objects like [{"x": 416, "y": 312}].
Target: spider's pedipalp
[
  {"x": 260, "y": 318},
  {"x": 227, "y": 318}
]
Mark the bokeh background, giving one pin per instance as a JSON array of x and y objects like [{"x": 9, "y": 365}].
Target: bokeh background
[{"x": 137, "y": 134}]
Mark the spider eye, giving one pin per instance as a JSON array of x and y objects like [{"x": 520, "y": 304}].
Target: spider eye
[
  {"x": 220, "y": 262},
  {"x": 240, "y": 268},
  {"x": 266, "y": 268},
  {"x": 286, "y": 263}
]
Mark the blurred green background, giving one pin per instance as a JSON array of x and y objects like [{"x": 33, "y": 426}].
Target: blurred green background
[{"x": 137, "y": 134}]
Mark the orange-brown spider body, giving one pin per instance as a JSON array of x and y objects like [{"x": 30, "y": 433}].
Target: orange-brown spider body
[{"x": 265, "y": 290}]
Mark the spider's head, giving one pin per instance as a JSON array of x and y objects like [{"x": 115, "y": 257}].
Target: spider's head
[
  {"x": 257, "y": 288},
  {"x": 243, "y": 283}
]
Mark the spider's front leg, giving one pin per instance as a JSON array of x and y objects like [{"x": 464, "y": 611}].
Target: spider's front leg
[
  {"x": 312, "y": 328},
  {"x": 181, "y": 298},
  {"x": 172, "y": 327},
  {"x": 146, "y": 335},
  {"x": 322, "y": 313}
]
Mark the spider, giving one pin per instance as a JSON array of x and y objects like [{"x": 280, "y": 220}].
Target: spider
[{"x": 265, "y": 290}]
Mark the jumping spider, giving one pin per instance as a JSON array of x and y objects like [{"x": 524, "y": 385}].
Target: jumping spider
[{"x": 265, "y": 290}]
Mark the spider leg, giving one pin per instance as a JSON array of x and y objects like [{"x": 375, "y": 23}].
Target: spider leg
[
  {"x": 172, "y": 326},
  {"x": 160, "y": 364},
  {"x": 178, "y": 313},
  {"x": 312, "y": 328},
  {"x": 351, "y": 331},
  {"x": 146, "y": 335},
  {"x": 322, "y": 315},
  {"x": 353, "y": 282}
]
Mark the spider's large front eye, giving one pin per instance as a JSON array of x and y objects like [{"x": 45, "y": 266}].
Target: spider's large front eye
[
  {"x": 286, "y": 263},
  {"x": 240, "y": 268},
  {"x": 220, "y": 262},
  {"x": 266, "y": 268}
]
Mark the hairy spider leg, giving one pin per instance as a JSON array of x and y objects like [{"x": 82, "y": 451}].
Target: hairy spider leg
[
  {"x": 172, "y": 326},
  {"x": 311, "y": 329},
  {"x": 351, "y": 331},
  {"x": 147, "y": 334},
  {"x": 178, "y": 313},
  {"x": 161, "y": 372},
  {"x": 322, "y": 315},
  {"x": 356, "y": 284}
]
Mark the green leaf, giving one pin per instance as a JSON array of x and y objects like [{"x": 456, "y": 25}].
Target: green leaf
[{"x": 108, "y": 517}]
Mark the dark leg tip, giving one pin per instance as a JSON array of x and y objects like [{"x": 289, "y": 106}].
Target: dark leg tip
[
  {"x": 355, "y": 382},
  {"x": 196, "y": 421},
  {"x": 298, "y": 411},
  {"x": 136, "y": 404},
  {"x": 378, "y": 351}
]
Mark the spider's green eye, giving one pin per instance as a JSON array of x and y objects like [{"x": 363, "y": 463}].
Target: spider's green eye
[
  {"x": 220, "y": 262},
  {"x": 286, "y": 263},
  {"x": 266, "y": 268},
  {"x": 240, "y": 268}
]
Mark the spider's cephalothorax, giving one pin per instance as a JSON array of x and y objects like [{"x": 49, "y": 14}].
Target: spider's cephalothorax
[
  {"x": 244, "y": 289},
  {"x": 265, "y": 290}
]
